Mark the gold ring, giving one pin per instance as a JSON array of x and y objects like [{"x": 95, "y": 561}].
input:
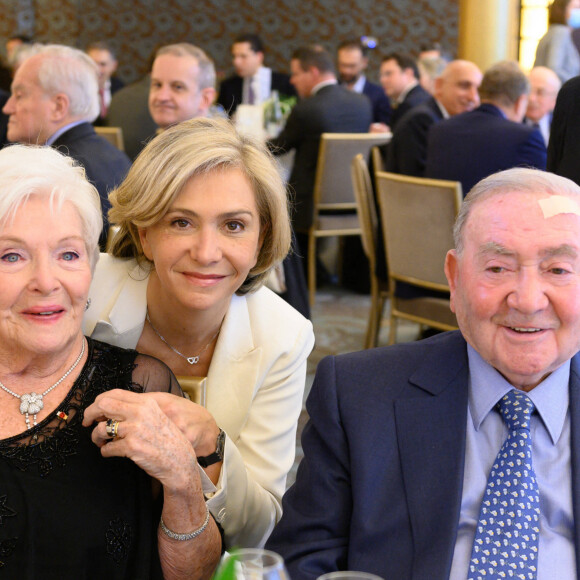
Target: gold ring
[{"x": 111, "y": 428}]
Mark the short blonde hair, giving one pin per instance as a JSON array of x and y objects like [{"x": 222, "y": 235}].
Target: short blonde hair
[
  {"x": 27, "y": 170},
  {"x": 196, "y": 147}
]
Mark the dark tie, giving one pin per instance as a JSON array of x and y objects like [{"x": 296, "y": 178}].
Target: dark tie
[{"x": 508, "y": 530}]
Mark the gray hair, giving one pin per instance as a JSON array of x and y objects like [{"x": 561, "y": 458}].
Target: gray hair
[
  {"x": 67, "y": 70},
  {"x": 206, "y": 76},
  {"x": 518, "y": 179},
  {"x": 504, "y": 83},
  {"x": 27, "y": 170}
]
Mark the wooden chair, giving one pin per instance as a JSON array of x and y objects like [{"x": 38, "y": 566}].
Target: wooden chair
[
  {"x": 334, "y": 203},
  {"x": 378, "y": 163},
  {"x": 417, "y": 217},
  {"x": 365, "y": 199},
  {"x": 112, "y": 134},
  {"x": 194, "y": 388}
]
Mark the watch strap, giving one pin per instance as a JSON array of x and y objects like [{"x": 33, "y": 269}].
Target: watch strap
[{"x": 217, "y": 455}]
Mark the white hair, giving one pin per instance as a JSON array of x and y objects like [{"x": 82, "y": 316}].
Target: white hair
[
  {"x": 520, "y": 179},
  {"x": 64, "y": 69},
  {"x": 27, "y": 170}
]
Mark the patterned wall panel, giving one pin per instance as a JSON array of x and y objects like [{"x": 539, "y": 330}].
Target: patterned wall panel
[{"x": 136, "y": 27}]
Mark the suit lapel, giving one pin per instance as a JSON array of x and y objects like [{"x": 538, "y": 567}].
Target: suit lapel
[
  {"x": 575, "y": 451},
  {"x": 431, "y": 437},
  {"x": 233, "y": 375}
]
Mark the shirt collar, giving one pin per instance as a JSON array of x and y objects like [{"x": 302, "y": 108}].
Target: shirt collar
[
  {"x": 360, "y": 84},
  {"x": 443, "y": 110},
  {"x": 407, "y": 90},
  {"x": 487, "y": 386},
  {"x": 62, "y": 130},
  {"x": 321, "y": 85}
]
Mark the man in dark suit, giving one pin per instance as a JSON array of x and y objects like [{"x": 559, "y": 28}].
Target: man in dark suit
[
  {"x": 473, "y": 145},
  {"x": 544, "y": 87},
  {"x": 564, "y": 146},
  {"x": 253, "y": 83},
  {"x": 400, "y": 448},
  {"x": 455, "y": 92},
  {"x": 54, "y": 101},
  {"x": 325, "y": 107},
  {"x": 352, "y": 61},
  {"x": 109, "y": 84},
  {"x": 400, "y": 80}
]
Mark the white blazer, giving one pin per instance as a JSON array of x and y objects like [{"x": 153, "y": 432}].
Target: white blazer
[{"x": 255, "y": 387}]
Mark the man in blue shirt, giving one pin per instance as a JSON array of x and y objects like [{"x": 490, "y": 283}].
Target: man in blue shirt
[{"x": 401, "y": 440}]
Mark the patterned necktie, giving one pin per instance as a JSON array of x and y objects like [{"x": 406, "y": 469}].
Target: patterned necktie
[{"x": 508, "y": 530}]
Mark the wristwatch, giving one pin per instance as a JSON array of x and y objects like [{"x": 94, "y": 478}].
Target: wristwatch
[{"x": 217, "y": 455}]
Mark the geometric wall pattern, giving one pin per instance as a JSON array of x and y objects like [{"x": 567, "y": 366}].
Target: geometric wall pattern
[{"x": 136, "y": 27}]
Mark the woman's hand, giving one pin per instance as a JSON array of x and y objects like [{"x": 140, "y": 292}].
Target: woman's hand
[
  {"x": 146, "y": 435},
  {"x": 193, "y": 420}
]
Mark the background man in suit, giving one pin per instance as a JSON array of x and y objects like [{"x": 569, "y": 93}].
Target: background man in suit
[
  {"x": 54, "y": 101},
  {"x": 400, "y": 80},
  {"x": 472, "y": 146},
  {"x": 564, "y": 146},
  {"x": 401, "y": 440},
  {"x": 544, "y": 87},
  {"x": 455, "y": 92},
  {"x": 109, "y": 84},
  {"x": 182, "y": 84},
  {"x": 352, "y": 61},
  {"x": 325, "y": 107},
  {"x": 253, "y": 83}
]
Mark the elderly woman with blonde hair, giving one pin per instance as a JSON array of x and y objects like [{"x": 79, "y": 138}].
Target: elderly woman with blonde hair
[
  {"x": 95, "y": 479},
  {"x": 202, "y": 219}
]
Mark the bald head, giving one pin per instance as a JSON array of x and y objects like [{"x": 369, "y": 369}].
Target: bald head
[
  {"x": 544, "y": 87},
  {"x": 456, "y": 88}
]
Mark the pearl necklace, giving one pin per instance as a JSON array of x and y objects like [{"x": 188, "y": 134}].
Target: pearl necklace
[
  {"x": 31, "y": 403},
  {"x": 192, "y": 360}
]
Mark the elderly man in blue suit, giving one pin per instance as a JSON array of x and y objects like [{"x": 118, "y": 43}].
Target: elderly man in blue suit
[
  {"x": 491, "y": 138},
  {"x": 401, "y": 473}
]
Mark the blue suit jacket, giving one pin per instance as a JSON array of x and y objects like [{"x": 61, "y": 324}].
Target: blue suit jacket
[
  {"x": 379, "y": 488},
  {"x": 379, "y": 101},
  {"x": 473, "y": 145}
]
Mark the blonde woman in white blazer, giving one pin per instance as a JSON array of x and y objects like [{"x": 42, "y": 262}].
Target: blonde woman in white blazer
[{"x": 202, "y": 218}]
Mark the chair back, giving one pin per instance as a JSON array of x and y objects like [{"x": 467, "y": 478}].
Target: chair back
[
  {"x": 417, "y": 216},
  {"x": 363, "y": 193},
  {"x": 333, "y": 185},
  {"x": 112, "y": 134},
  {"x": 194, "y": 388},
  {"x": 378, "y": 164}
]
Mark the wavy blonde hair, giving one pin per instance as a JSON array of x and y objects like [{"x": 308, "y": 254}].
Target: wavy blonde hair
[{"x": 197, "y": 147}]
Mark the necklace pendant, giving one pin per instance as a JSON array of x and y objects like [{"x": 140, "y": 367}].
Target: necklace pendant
[
  {"x": 192, "y": 360},
  {"x": 31, "y": 404}
]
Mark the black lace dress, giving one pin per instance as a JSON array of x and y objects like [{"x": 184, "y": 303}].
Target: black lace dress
[{"x": 65, "y": 511}]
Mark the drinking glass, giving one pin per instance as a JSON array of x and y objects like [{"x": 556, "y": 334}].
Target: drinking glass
[
  {"x": 349, "y": 575},
  {"x": 253, "y": 564}
]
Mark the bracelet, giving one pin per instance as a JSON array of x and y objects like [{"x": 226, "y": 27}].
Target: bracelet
[{"x": 184, "y": 537}]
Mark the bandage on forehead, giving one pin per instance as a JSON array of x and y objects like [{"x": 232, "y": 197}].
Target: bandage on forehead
[{"x": 557, "y": 204}]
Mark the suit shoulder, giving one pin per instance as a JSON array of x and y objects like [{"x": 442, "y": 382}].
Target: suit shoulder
[{"x": 268, "y": 309}]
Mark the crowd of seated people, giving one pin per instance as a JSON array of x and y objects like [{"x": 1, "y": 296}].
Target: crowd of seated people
[{"x": 160, "y": 273}]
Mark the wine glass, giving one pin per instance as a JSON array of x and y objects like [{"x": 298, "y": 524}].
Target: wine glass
[{"x": 252, "y": 564}]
